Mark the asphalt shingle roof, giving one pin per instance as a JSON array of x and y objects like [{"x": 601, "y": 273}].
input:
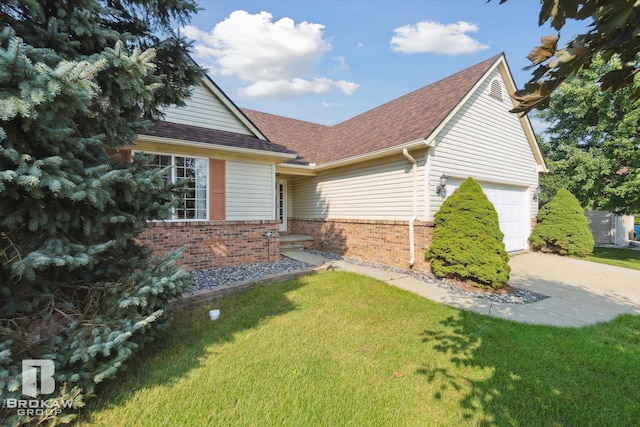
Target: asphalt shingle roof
[
  {"x": 406, "y": 119},
  {"x": 301, "y": 137},
  {"x": 214, "y": 136}
]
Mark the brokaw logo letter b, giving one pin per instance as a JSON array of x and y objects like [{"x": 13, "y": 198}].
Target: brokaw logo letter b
[{"x": 30, "y": 377}]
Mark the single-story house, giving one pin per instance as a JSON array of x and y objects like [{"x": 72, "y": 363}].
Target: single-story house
[
  {"x": 611, "y": 229},
  {"x": 366, "y": 188},
  {"x": 230, "y": 207}
]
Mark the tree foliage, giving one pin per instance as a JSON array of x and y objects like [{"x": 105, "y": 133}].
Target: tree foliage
[
  {"x": 591, "y": 143},
  {"x": 613, "y": 32},
  {"x": 78, "y": 78},
  {"x": 562, "y": 227},
  {"x": 467, "y": 241}
]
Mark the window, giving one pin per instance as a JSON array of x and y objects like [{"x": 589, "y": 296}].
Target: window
[{"x": 196, "y": 171}]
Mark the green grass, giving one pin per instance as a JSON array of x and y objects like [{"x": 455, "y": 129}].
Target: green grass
[
  {"x": 340, "y": 349},
  {"x": 628, "y": 258}
]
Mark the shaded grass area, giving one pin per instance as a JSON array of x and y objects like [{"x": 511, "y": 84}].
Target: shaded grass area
[
  {"x": 343, "y": 349},
  {"x": 620, "y": 257}
]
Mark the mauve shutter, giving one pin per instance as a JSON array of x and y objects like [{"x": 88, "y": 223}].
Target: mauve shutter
[
  {"x": 217, "y": 197},
  {"x": 125, "y": 155}
]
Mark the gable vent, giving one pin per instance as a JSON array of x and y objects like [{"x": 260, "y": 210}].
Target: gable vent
[{"x": 496, "y": 90}]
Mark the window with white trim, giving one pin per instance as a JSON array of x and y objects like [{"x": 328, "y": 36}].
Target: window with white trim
[{"x": 195, "y": 170}]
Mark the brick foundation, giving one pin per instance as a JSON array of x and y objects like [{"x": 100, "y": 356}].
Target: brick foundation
[
  {"x": 380, "y": 241},
  {"x": 209, "y": 244}
]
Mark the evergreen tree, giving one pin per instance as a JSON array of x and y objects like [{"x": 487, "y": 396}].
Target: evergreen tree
[
  {"x": 562, "y": 227},
  {"x": 467, "y": 241},
  {"x": 79, "y": 79}
]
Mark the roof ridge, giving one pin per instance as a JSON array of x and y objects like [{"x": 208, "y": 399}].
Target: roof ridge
[
  {"x": 491, "y": 60},
  {"x": 282, "y": 117},
  {"x": 408, "y": 118}
]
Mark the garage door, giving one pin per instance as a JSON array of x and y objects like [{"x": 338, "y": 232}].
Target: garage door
[{"x": 511, "y": 203}]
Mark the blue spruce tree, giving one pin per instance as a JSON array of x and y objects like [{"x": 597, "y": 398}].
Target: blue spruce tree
[{"x": 80, "y": 79}]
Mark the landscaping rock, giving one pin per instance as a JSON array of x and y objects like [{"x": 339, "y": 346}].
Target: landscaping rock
[
  {"x": 510, "y": 296},
  {"x": 215, "y": 278},
  {"x": 224, "y": 277}
]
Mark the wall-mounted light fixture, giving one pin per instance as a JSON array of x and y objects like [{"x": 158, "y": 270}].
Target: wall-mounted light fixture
[
  {"x": 536, "y": 194},
  {"x": 441, "y": 189}
]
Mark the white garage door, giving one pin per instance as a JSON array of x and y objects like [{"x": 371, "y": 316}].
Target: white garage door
[{"x": 511, "y": 203}]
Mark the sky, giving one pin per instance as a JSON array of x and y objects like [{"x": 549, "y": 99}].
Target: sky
[{"x": 325, "y": 61}]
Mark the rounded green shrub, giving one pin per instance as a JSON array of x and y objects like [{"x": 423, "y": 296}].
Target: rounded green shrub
[
  {"x": 562, "y": 227},
  {"x": 467, "y": 241}
]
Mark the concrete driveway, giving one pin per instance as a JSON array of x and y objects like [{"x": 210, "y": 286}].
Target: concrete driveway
[{"x": 579, "y": 292}]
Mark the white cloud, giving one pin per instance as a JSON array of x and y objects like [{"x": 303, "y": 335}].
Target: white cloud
[
  {"x": 275, "y": 58},
  {"x": 341, "y": 64},
  {"x": 286, "y": 88},
  {"x": 347, "y": 87},
  {"x": 296, "y": 86},
  {"x": 433, "y": 37}
]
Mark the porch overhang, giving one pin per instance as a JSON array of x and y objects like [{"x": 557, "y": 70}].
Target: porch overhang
[{"x": 312, "y": 169}]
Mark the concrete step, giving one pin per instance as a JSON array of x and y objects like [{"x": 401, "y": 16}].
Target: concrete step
[
  {"x": 287, "y": 238},
  {"x": 291, "y": 246},
  {"x": 314, "y": 260},
  {"x": 294, "y": 242}
]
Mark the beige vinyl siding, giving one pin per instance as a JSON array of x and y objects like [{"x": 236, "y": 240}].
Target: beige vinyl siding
[
  {"x": 380, "y": 189},
  {"x": 204, "y": 109},
  {"x": 485, "y": 141},
  {"x": 600, "y": 226},
  {"x": 250, "y": 191},
  {"x": 608, "y": 228},
  {"x": 290, "y": 198}
]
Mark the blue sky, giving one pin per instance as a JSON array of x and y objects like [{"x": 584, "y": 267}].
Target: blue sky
[{"x": 326, "y": 61}]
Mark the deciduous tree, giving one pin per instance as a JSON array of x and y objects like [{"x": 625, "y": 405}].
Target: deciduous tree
[
  {"x": 613, "y": 32},
  {"x": 591, "y": 143}
]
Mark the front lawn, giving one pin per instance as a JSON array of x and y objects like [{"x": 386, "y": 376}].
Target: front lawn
[
  {"x": 340, "y": 349},
  {"x": 620, "y": 257}
]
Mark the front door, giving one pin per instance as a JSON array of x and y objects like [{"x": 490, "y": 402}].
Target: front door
[{"x": 281, "y": 204}]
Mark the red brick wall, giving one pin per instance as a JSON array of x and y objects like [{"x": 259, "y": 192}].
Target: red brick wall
[
  {"x": 209, "y": 244},
  {"x": 382, "y": 241}
]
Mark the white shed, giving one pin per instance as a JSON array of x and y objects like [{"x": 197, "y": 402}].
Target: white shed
[{"x": 610, "y": 229}]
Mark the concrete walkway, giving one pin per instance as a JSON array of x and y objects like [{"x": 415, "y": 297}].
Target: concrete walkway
[{"x": 580, "y": 292}]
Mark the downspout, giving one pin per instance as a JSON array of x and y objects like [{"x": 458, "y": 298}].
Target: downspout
[
  {"x": 612, "y": 228},
  {"x": 412, "y": 220}
]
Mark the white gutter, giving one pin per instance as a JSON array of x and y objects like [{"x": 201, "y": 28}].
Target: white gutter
[
  {"x": 412, "y": 220},
  {"x": 311, "y": 169},
  {"x": 294, "y": 169},
  {"x": 374, "y": 155}
]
